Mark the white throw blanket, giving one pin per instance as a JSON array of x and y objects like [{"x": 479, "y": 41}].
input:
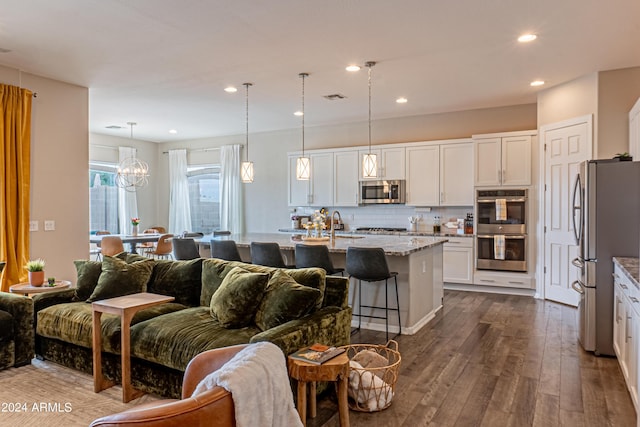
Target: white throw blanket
[
  {"x": 367, "y": 389},
  {"x": 258, "y": 381}
]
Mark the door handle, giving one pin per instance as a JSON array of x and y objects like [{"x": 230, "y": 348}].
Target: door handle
[
  {"x": 577, "y": 286},
  {"x": 577, "y": 191},
  {"x": 577, "y": 262}
]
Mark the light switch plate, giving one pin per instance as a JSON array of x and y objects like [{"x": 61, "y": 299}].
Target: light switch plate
[
  {"x": 49, "y": 225},
  {"x": 33, "y": 225}
]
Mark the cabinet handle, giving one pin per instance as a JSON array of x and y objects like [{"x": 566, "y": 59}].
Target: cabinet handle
[
  {"x": 623, "y": 286},
  {"x": 487, "y": 280},
  {"x": 500, "y": 176},
  {"x": 627, "y": 337},
  {"x": 634, "y": 299},
  {"x": 618, "y": 318},
  {"x": 515, "y": 282},
  {"x": 504, "y": 176},
  {"x": 441, "y": 196}
]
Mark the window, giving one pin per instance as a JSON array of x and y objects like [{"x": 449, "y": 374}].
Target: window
[
  {"x": 103, "y": 197},
  {"x": 204, "y": 198}
]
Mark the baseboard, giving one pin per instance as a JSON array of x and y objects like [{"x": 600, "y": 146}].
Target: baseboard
[
  {"x": 406, "y": 330},
  {"x": 490, "y": 289}
]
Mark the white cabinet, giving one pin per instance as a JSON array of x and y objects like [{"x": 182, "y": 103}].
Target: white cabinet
[
  {"x": 456, "y": 174},
  {"x": 440, "y": 175},
  {"x": 503, "y": 160},
  {"x": 457, "y": 260},
  {"x": 423, "y": 175},
  {"x": 390, "y": 162},
  {"x": 626, "y": 330},
  {"x": 345, "y": 182},
  {"x": 634, "y": 131},
  {"x": 318, "y": 190}
]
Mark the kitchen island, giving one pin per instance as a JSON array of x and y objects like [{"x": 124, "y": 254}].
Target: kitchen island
[{"x": 418, "y": 261}]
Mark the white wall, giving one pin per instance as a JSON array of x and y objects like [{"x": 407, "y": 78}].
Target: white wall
[{"x": 59, "y": 170}]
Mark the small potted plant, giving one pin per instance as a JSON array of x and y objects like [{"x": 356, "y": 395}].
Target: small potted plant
[
  {"x": 134, "y": 226},
  {"x": 36, "y": 271}
]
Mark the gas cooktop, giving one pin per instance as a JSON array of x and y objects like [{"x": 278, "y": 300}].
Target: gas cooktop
[{"x": 380, "y": 229}]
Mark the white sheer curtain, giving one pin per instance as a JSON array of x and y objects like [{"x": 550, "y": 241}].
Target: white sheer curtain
[
  {"x": 230, "y": 189},
  {"x": 127, "y": 200},
  {"x": 179, "y": 210}
]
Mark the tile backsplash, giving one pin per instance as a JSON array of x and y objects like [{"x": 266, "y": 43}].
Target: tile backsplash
[{"x": 392, "y": 215}]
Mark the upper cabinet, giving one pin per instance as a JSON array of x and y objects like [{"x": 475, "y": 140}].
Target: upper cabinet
[
  {"x": 318, "y": 190},
  {"x": 634, "y": 131},
  {"x": 503, "y": 159},
  {"x": 345, "y": 182},
  {"x": 390, "y": 162},
  {"x": 440, "y": 175}
]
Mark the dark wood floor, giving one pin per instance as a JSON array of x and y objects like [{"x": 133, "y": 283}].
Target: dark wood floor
[{"x": 496, "y": 360}]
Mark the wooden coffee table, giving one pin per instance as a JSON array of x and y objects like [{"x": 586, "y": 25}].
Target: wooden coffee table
[
  {"x": 336, "y": 369},
  {"x": 28, "y": 289},
  {"x": 125, "y": 307}
]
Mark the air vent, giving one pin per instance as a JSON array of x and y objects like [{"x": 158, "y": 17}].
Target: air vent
[
  {"x": 115, "y": 127},
  {"x": 335, "y": 96}
]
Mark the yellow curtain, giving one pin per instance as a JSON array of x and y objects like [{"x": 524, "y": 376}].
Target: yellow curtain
[{"x": 15, "y": 158}]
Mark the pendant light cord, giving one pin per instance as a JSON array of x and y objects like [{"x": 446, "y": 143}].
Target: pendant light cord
[
  {"x": 369, "y": 65},
  {"x": 246, "y": 85}
]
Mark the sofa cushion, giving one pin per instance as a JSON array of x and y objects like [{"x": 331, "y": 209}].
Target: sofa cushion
[
  {"x": 213, "y": 272},
  {"x": 119, "y": 278},
  {"x": 284, "y": 300},
  {"x": 88, "y": 273},
  {"x": 235, "y": 302},
  {"x": 174, "y": 339},
  {"x": 72, "y": 323},
  {"x": 179, "y": 279}
]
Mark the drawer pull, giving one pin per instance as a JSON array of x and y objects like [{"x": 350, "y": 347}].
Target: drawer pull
[
  {"x": 515, "y": 282},
  {"x": 623, "y": 286},
  {"x": 487, "y": 280},
  {"x": 634, "y": 299}
]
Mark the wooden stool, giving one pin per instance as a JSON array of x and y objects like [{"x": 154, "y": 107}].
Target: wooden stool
[{"x": 336, "y": 369}]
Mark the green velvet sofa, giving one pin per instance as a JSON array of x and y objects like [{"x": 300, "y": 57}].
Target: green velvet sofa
[
  {"x": 216, "y": 305},
  {"x": 16, "y": 330}
]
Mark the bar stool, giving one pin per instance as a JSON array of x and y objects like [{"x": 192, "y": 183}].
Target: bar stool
[
  {"x": 315, "y": 256},
  {"x": 185, "y": 249},
  {"x": 268, "y": 254},
  {"x": 225, "y": 249},
  {"x": 370, "y": 265}
]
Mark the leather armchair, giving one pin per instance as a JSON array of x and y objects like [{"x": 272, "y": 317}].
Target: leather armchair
[{"x": 211, "y": 408}]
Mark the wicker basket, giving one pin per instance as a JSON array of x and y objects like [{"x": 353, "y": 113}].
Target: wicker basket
[{"x": 372, "y": 389}]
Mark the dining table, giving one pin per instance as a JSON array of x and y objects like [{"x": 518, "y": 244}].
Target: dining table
[{"x": 129, "y": 238}]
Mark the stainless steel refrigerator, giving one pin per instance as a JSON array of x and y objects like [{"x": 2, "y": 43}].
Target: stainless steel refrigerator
[{"x": 606, "y": 220}]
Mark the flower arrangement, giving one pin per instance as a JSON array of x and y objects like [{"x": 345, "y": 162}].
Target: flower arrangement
[
  {"x": 135, "y": 221},
  {"x": 35, "y": 265}
]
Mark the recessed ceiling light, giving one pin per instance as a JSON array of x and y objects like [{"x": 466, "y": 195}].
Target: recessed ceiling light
[
  {"x": 298, "y": 113},
  {"x": 230, "y": 89},
  {"x": 525, "y": 38},
  {"x": 401, "y": 100},
  {"x": 173, "y": 131},
  {"x": 353, "y": 68},
  {"x": 537, "y": 83}
]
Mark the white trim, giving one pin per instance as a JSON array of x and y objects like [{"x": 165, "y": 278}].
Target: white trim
[
  {"x": 505, "y": 134},
  {"x": 490, "y": 289},
  {"x": 406, "y": 330}
]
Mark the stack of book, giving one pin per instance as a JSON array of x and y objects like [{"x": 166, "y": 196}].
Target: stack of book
[{"x": 317, "y": 354}]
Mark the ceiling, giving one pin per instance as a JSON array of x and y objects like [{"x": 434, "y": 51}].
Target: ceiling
[{"x": 164, "y": 63}]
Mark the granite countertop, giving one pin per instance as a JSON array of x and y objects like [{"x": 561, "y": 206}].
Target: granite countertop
[
  {"x": 392, "y": 245},
  {"x": 383, "y": 233},
  {"x": 630, "y": 267}
]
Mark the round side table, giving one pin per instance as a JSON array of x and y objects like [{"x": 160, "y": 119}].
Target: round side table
[
  {"x": 336, "y": 369},
  {"x": 27, "y": 289}
]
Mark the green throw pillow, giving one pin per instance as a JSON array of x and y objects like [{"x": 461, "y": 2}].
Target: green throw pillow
[
  {"x": 179, "y": 279},
  {"x": 236, "y": 300},
  {"x": 88, "y": 273},
  {"x": 119, "y": 278},
  {"x": 285, "y": 300}
]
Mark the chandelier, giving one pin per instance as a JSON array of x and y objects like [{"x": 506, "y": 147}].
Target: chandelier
[
  {"x": 132, "y": 173},
  {"x": 369, "y": 161}
]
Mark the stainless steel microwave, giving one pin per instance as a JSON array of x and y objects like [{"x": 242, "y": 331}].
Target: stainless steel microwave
[{"x": 382, "y": 192}]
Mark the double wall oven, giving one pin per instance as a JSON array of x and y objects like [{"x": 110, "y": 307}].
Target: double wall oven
[{"x": 501, "y": 239}]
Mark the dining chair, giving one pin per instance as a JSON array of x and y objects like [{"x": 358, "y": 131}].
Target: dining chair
[
  {"x": 148, "y": 246},
  {"x": 164, "y": 247},
  {"x": 111, "y": 245},
  {"x": 159, "y": 228},
  {"x": 225, "y": 249},
  {"x": 268, "y": 254},
  {"x": 97, "y": 251},
  {"x": 221, "y": 233},
  {"x": 192, "y": 234},
  {"x": 184, "y": 249},
  {"x": 315, "y": 256}
]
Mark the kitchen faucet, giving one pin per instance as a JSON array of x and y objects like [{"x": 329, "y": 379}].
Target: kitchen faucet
[{"x": 333, "y": 228}]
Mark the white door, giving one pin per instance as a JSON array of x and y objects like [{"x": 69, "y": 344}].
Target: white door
[{"x": 566, "y": 145}]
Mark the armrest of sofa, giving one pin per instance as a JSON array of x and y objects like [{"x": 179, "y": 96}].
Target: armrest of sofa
[
  {"x": 329, "y": 325},
  {"x": 21, "y": 309},
  {"x": 336, "y": 292},
  {"x": 47, "y": 299}
]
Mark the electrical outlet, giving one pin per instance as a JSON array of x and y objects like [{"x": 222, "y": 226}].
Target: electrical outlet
[
  {"x": 49, "y": 225},
  {"x": 33, "y": 225}
]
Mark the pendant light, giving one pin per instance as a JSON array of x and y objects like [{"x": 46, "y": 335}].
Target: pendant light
[
  {"x": 132, "y": 172},
  {"x": 246, "y": 168},
  {"x": 369, "y": 161},
  {"x": 303, "y": 165}
]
